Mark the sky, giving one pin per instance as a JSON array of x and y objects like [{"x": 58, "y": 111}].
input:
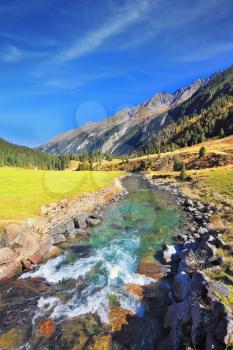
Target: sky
[{"x": 66, "y": 62}]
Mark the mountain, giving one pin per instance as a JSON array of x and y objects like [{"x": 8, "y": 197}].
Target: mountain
[
  {"x": 20, "y": 156},
  {"x": 128, "y": 128},
  {"x": 164, "y": 121}
]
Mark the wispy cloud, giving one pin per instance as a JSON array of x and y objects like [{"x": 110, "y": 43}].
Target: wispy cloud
[
  {"x": 13, "y": 54},
  {"x": 207, "y": 52},
  {"x": 92, "y": 40}
]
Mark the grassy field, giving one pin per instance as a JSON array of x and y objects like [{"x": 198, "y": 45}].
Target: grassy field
[{"x": 24, "y": 191}]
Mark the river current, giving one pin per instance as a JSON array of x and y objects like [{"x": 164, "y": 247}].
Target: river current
[{"x": 75, "y": 292}]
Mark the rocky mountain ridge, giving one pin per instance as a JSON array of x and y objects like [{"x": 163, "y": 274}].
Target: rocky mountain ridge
[{"x": 126, "y": 130}]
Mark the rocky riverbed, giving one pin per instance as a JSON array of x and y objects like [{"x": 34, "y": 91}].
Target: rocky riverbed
[
  {"x": 35, "y": 240},
  {"x": 195, "y": 318}
]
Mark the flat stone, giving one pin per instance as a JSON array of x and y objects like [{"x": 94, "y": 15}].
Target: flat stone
[{"x": 219, "y": 288}]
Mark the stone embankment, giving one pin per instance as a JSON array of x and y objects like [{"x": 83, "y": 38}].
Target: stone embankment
[
  {"x": 35, "y": 240},
  {"x": 196, "y": 317}
]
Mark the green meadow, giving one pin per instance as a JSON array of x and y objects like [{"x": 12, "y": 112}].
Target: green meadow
[{"x": 24, "y": 191}]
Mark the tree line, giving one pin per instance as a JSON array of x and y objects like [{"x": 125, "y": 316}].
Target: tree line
[{"x": 25, "y": 157}]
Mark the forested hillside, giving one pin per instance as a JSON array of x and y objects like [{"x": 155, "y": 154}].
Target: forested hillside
[
  {"x": 13, "y": 155},
  {"x": 207, "y": 114}
]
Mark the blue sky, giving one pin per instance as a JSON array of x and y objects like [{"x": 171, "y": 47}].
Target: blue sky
[{"x": 66, "y": 62}]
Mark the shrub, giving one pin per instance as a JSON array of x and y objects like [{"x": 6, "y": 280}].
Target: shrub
[
  {"x": 202, "y": 152},
  {"x": 183, "y": 174},
  {"x": 177, "y": 165}
]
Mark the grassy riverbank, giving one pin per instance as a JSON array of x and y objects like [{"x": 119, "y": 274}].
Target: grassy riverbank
[{"x": 24, "y": 191}]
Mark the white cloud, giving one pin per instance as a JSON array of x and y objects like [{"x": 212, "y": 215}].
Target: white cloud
[{"x": 113, "y": 26}]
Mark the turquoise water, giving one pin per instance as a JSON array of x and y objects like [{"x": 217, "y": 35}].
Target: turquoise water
[
  {"x": 90, "y": 277},
  {"x": 133, "y": 229}
]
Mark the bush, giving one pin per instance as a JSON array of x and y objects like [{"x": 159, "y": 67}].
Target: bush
[
  {"x": 177, "y": 165},
  {"x": 202, "y": 152},
  {"x": 183, "y": 174}
]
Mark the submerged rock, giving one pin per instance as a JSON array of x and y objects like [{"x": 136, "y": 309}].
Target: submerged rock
[
  {"x": 118, "y": 318},
  {"x": 47, "y": 328}
]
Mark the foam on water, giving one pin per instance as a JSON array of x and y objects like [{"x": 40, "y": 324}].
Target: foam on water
[{"x": 105, "y": 273}]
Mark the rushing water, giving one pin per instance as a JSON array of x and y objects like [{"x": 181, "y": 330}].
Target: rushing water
[{"x": 77, "y": 289}]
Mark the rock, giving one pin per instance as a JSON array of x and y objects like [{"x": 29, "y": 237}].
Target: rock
[
  {"x": 96, "y": 215},
  {"x": 11, "y": 232},
  {"x": 152, "y": 270},
  {"x": 207, "y": 251},
  {"x": 212, "y": 343},
  {"x": 202, "y": 230},
  {"x": 80, "y": 221},
  {"x": 177, "y": 312},
  {"x": 53, "y": 206},
  {"x": 40, "y": 223},
  {"x": 44, "y": 210},
  {"x": 219, "y": 288},
  {"x": 70, "y": 225},
  {"x": 189, "y": 202},
  {"x": 10, "y": 270},
  {"x": 47, "y": 328},
  {"x": 181, "y": 285},
  {"x": 169, "y": 253},
  {"x": 199, "y": 283},
  {"x": 197, "y": 331},
  {"x": 53, "y": 252},
  {"x": 7, "y": 255},
  {"x": 171, "y": 342},
  {"x": 26, "y": 264},
  {"x": 135, "y": 289},
  {"x": 93, "y": 222},
  {"x": 60, "y": 238},
  {"x": 224, "y": 330},
  {"x": 118, "y": 318},
  {"x": 79, "y": 233},
  {"x": 64, "y": 202},
  {"x": 218, "y": 309}
]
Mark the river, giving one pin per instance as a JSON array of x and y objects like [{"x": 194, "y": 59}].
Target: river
[{"x": 66, "y": 302}]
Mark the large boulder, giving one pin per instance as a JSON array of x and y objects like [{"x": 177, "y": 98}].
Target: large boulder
[
  {"x": 181, "y": 285},
  {"x": 10, "y": 270},
  {"x": 197, "y": 331},
  {"x": 224, "y": 330},
  {"x": 7, "y": 255},
  {"x": 199, "y": 283},
  {"x": 11, "y": 231},
  {"x": 168, "y": 253},
  {"x": 80, "y": 221},
  {"x": 212, "y": 343},
  {"x": 176, "y": 313}
]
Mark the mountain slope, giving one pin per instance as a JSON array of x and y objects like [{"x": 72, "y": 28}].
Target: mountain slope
[
  {"x": 166, "y": 120},
  {"x": 126, "y": 130},
  {"x": 207, "y": 114}
]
